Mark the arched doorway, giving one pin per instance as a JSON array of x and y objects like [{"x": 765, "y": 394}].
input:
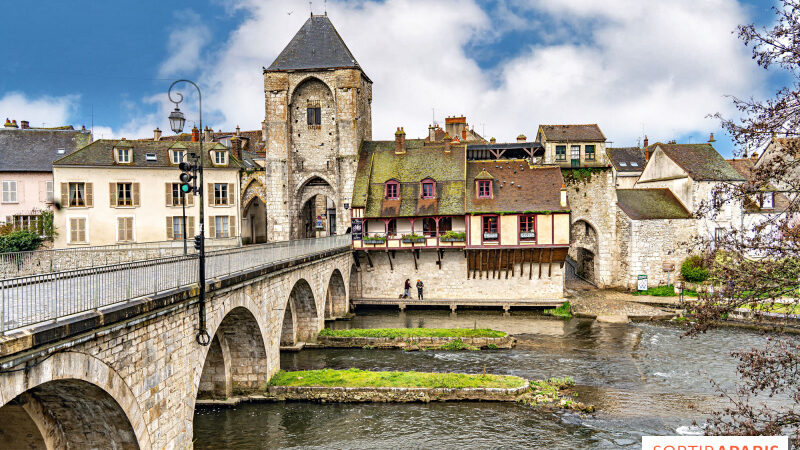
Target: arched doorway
[
  {"x": 336, "y": 304},
  {"x": 317, "y": 216},
  {"x": 300, "y": 320},
  {"x": 67, "y": 413},
  {"x": 584, "y": 249},
  {"x": 236, "y": 359},
  {"x": 254, "y": 222}
]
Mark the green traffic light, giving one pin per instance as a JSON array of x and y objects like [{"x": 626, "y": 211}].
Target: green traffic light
[{"x": 185, "y": 188}]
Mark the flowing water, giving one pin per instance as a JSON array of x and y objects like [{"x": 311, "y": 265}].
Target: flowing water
[{"x": 643, "y": 378}]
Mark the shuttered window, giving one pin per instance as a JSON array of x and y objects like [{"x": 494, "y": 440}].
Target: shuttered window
[
  {"x": 561, "y": 152},
  {"x": 314, "y": 114},
  {"x": 125, "y": 229},
  {"x": 77, "y": 230},
  {"x": 9, "y": 192},
  {"x": 223, "y": 194},
  {"x": 588, "y": 152},
  {"x": 77, "y": 194}
]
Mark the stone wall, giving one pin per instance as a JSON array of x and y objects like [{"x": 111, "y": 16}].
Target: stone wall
[
  {"x": 151, "y": 367},
  {"x": 414, "y": 342},
  {"x": 645, "y": 245},
  {"x": 393, "y": 394},
  {"x": 385, "y": 280},
  {"x": 593, "y": 200}
]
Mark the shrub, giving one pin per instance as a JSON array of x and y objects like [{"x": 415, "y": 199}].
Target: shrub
[
  {"x": 564, "y": 311},
  {"x": 693, "y": 271},
  {"x": 19, "y": 241},
  {"x": 454, "y": 235}
]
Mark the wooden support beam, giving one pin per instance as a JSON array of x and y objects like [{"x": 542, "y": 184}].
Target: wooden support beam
[
  {"x": 480, "y": 264},
  {"x": 550, "y": 265},
  {"x": 369, "y": 259},
  {"x": 509, "y": 258},
  {"x": 541, "y": 250},
  {"x": 414, "y": 255},
  {"x": 439, "y": 258},
  {"x": 389, "y": 258},
  {"x": 530, "y": 264}
]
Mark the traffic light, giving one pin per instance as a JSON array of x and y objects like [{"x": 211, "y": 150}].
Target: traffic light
[
  {"x": 198, "y": 242},
  {"x": 187, "y": 176}
]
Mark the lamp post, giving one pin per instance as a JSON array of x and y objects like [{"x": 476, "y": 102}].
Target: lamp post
[{"x": 176, "y": 123}]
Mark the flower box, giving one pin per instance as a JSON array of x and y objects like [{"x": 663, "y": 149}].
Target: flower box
[
  {"x": 374, "y": 240},
  {"x": 490, "y": 235},
  {"x": 413, "y": 240},
  {"x": 527, "y": 235},
  {"x": 452, "y": 239}
]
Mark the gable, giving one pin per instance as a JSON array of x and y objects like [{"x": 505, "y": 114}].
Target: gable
[{"x": 660, "y": 166}]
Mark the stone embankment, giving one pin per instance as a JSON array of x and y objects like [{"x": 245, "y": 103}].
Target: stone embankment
[
  {"x": 417, "y": 343},
  {"x": 393, "y": 394}
]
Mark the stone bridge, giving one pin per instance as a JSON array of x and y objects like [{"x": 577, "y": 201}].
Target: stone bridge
[{"x": 128, "y": 375}]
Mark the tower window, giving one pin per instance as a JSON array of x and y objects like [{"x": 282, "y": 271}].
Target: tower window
[{"x": 314, "y": 114}]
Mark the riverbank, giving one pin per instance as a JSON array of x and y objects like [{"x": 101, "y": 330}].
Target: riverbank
[{"x": 416, "y": 338}]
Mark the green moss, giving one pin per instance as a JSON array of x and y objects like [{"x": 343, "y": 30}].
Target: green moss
[
  {"x": 364, "y": 378},
  {"x": 412, "y": 332},
  {"x": 564, "y": 311},
  {"x": 580, "y": 174}
]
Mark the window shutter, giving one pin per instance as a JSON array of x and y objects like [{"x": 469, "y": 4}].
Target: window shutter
[
  {"x": 73, "y": 230},
  {"x": 317, "y": 116},
  {"x": 189, "y": 199},
  {"x": 310, "y": 116},
  {"x": 168, "y": 193},
  {"x": 64, "y": 195},
  {"x": 135, "y": 188},
  {"x": 189, "y": 227},
  {"x": 212, "y": 227},
  {"x": 230, "y": 194},
  {"x": 170, "y": 233},
  {"x": 89, "y": 195},
  {"x": 20, "y": 191},
  {"x": 232, "y": 226},
  {"x": 210, "y": 194},
  {"x": 112, "y": 194},
  {"x": 120, "y": 228}
]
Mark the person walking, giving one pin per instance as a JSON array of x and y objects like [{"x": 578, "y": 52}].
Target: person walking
[
  {"x": 419, "y": 289},
  {"x": 407, "y": 289}
]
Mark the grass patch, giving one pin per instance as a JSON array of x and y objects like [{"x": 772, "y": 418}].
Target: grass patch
[
  {"x": 665, "y": 291},
  {"x": 457, "y": 344},
  {"x": 781, "y": 308},
  {"x": 412, "y": 332},
  {"x": 564, "y": 311},
  {"x": 365, "y": 378}
]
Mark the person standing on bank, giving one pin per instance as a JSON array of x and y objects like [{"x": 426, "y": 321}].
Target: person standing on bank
[
  {"x": 419, "y": 289},
  {"x": 407, "y": 289}
]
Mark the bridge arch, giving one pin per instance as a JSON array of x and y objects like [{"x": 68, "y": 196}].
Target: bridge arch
[
  {"x": 336, "y": 303},
  {"x": 585, "y": 248},
  {"x": 301, "y": 321},
  {"x": 236, "y": 359},
  {"x": 71, "y": 400}
]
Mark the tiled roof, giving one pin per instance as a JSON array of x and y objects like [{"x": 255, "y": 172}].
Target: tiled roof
[
  {"x": 377, "y": 163},
  {"x": 34, "y": 150},
  {"x": 645, "y": 204},
  {"x": 517, "y": 187},
  {"x": 573, "y": 133},
  {"x": 627, "y": 159},
  {"x": 100, "y": 153},
  {"x": 317, "y": 45},
  {"x": 700, "y": 161}
]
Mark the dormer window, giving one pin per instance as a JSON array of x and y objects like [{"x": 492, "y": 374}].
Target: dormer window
[
  {"x": 178, "y": 156},
  {"x": 484, "y": 188},
  {"x": 428, "y": 188},
  {"x": 123, "y": 155},
  {"x": 392, "y": 190},
  {"x": 767, "y": 200},
  {"x": 220, "y": 157}
]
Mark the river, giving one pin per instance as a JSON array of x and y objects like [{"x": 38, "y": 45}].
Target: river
[{"x": 642, "y": 377}]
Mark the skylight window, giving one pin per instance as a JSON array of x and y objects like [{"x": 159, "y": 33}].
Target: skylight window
[
  {"x": 150, "y": 157},
  {"x": 634, "y": 164},
  {"x": 623, "y": 164},
  {"x": 61, "y": 150}
]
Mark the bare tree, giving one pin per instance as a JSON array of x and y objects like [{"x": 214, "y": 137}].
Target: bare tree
[{"x": 757, "y": 265}]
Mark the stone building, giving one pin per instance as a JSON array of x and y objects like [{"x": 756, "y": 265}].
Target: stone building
[
  {"x": 465, "y": 226},
  {"x": 573, "y": 145},
  {"x": 318, "y": 111},
  {"x": 627, "y": 164},
  {"x": 26, "y": 168}
]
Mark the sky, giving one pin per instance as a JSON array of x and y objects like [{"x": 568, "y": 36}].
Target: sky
[{"x": 635, "y": 67}]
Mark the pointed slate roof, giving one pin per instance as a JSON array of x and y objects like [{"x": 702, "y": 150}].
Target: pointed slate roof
[{"x": 317, "y": 45}]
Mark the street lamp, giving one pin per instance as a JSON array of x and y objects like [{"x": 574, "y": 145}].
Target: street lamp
[{"x": 176, "y": 123}]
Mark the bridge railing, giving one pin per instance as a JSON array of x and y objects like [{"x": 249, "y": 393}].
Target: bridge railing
[
  {"x": 37, "y": 262},
  {"x": 47, "y": 297}
]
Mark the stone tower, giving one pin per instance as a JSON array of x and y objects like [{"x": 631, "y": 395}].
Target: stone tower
[{"x": 318, "y": 111}]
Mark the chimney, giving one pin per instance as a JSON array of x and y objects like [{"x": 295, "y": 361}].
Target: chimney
[
  {"x": 711, "y": 140},
  {"x": 492, "y": 140},
  {"x": 83, "y": 127},
  {"x": 522, "y": 138},
  {"x": 14, "y": 123},
  {"x": 399, "y": 141},
  {"x": 238, "y": 132},
  {"x": 446, "y": 144},
  {"x": 754, "y": 157},
  {"x": 431, "y": 133},
  {"x": 195, "y": 134},
  {"x": 24, "y": 124},
  {"x": 264, "y": 130},
  {"x": 236, "y": 147},
  {"x": 455, "y": 125},
  {"x": 207, "y": 136},
  {"x": 464, "y": 134},
  {"x": 8, "y": 123},
  {"x": 157, "y": 134},
  {"x": 645, "y": 141},
  {"x": 563, "y": 195}
]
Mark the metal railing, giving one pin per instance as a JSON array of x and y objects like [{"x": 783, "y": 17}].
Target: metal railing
[
  {"x": 38, "y": 262},
  {"x": 40, "y": 298}
]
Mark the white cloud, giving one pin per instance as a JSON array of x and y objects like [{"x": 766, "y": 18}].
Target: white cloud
[
  {"x": 185, "y": 44},
  {"x": 661, "y": 66},
  {"x": 40, "y": 111}
]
